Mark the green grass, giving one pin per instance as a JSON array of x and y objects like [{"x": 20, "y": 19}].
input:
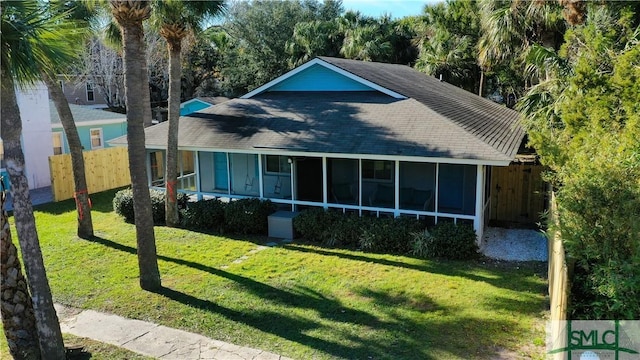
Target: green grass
[{"x": 298, "y": 300}]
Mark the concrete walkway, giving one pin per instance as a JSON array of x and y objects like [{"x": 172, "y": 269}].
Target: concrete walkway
[
  {"x": 38, "y": 197},
  {"x": 151, "y": 339}
]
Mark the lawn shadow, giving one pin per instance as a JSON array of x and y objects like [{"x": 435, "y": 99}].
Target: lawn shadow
[
  {"x": 101, "y": 202},
  {"x": 302, "y": 298},
  {"x": 407, "y": 335},
  {"x": 442, "y": 267}
]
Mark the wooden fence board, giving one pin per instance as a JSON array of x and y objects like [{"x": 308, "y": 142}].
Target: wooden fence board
[
  {"x": 518, "y": 194},
  {"x": 105, "y": 169}
]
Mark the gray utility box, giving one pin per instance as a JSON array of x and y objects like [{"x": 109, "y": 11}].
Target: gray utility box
[{"x": 281, "y": 224}]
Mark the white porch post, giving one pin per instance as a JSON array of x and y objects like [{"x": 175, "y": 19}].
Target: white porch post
[
  {"x": 360, "y": 187},
  {"x": 293, "y": 189},
  {"x": 148, "y": 165},
  {"x": 196, "y": 158},
  {"x": 260, "y": 175},
  {"x": 437, "y": 192},
  {"x": 396, "y": 189},
  {"x": 325, "y": 185},
  {"x": 228, "y": 174},
  {"x": 478, "y": 223}
]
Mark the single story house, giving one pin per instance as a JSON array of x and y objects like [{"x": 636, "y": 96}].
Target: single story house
[
  {"x": 364, "y": 137},
  {"x": 95, "y": 127}
]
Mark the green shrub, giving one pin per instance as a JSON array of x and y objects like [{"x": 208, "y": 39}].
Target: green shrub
[
  {"x": 421, "y": 244},
  {"x": 446, "y": 240},
  {"x": 329, "y": 228},
  {"x": 332, "y": 228},
  {"x": 388, "y": 235},
  {"x": 312, "y": 224},
  {"x": 204, "y": 215},
  {"x": 123, "y": 204},
  {"x": 248, "y": 216}
]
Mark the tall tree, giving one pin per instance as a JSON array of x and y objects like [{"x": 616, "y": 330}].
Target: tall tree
[
  {"x": 175, "y": 19},
  {"x": 31, "y": 41},
  {"x": 583, "y": 118},
  {"x": 130, "y": 16},
  {"x": 259, "y": 31},
  {"x": 447, "y": 40},
  {"x": 18, "y": 320},
  {"x": 75, "y": 14}
]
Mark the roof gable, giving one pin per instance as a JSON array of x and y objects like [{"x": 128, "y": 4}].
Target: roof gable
[
  {"x": 319, "y": 78},
  {"x": 295, "y": 79}
]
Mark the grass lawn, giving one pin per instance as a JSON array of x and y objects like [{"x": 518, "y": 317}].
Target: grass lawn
[{"x": 298, "y": 300}]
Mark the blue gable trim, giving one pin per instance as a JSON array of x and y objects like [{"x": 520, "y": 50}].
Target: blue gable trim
[
  {"x": 191, "y": 106},
  {"x": 364, "y": 84},
  {"x": 319, "y": 78}
]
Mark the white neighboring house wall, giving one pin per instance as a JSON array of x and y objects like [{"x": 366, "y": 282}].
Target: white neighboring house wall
[{"x": 37, "y": 143}]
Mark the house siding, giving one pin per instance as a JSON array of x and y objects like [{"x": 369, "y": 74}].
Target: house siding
[
  {"x": 36, "y": 134},
  {"x": 319, "y": 78},
  {"x": 109, "y": 131}
]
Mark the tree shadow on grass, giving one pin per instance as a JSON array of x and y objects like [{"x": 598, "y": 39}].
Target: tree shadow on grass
[
  {"x": 449, "y": 268},
  {"x": 302, "y": 298},
  {"x": 396, "y": 336},
  {"x": 101, "y": 202}
]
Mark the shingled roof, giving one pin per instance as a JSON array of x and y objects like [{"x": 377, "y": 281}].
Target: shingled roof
[
  {"x": 84, "y": 114},
  {"x": 494, "y": 124},
  {"x": 435, "y": 120}
]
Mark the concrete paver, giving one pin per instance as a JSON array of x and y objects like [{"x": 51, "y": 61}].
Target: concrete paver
[{"x": 151, "y": 339}]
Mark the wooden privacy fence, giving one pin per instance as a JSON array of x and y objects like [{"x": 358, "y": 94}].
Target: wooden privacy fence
[
  {"x": 105, "y": 169},
  {"x": 559, "y": 274},
  {"x": 518, "y": 194}
]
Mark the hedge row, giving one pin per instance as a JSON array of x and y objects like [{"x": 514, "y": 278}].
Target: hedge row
[
  {"x": 244, "y": 216},
  {"x": 387, "y": 235},
  {"x": 400, "y": 235}
]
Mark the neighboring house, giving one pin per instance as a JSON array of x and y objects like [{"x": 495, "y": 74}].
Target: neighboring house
[
  {"x": 361, "y": 137},
  {"x": 199, "y": 103},
  {"x": 33, "y": 103},
  {"x": 95, "y": 128},
  {"x": 81, "y": 91}
]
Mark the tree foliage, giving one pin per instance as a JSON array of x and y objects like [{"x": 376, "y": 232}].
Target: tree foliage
[{"x": 584, "y": 121}]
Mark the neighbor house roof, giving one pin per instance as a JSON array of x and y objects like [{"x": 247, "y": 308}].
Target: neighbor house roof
[
  {"x": 415, "y": 115},
  {"x": 86, "y": 116}
]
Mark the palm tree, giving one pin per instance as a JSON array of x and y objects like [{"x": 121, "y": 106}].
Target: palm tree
[
  {"x": 175, "y": 19},
  {"x": 85, "y": 223},
  {"x": 18, "y": 320},
  {"x": 31, "y": 41},
  {"x": 448, "y": 35},
  {"x": 129, "y": 15},
  {"x": 510, "y": 28},
  {"x": 79, "y": 13}
]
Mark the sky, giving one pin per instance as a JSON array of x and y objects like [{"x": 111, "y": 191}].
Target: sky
[{"x": 397, "y": 8}]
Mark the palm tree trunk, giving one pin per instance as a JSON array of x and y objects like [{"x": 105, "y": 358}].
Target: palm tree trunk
[
  {"x": 18, "y": 320},
  {"x": 49, "y": 335},
  {"x": 85, "y": 224},
  {"x": 136, "y": 85},
  {"x": 175, "y": 72},
  {"x": 481, "y": 82}
]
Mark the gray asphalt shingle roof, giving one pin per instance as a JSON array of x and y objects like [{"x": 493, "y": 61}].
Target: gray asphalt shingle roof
[
  {"x": 494, "y": 124},
  {"x": 436, "y": 120},
  {"x": 84, "y": 114}
]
